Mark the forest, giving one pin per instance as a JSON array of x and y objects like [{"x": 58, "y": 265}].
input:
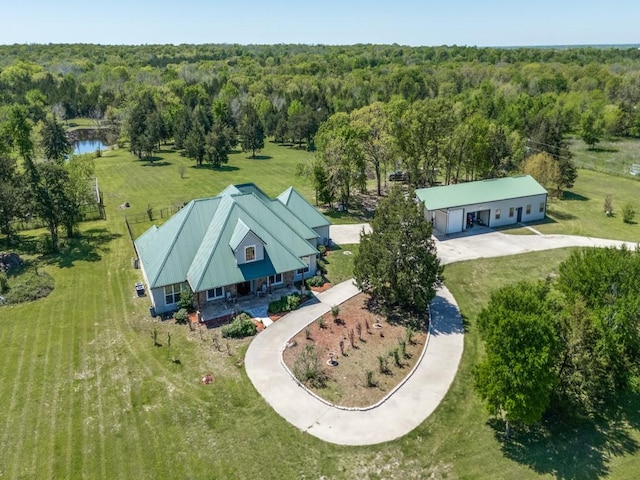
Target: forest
[{"x": 441, "y": 114}]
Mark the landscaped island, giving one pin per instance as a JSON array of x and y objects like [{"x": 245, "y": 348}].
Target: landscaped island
[{"x": 355, "y": 358}]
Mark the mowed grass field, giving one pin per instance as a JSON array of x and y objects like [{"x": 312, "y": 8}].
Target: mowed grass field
[
  {"x": 86, "y": 394},
  {"x": 613, "y": 156},
  {"x": 581, "y": 211}
]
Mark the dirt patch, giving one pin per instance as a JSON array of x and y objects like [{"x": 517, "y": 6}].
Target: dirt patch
[{"x": 347, "y": 383}]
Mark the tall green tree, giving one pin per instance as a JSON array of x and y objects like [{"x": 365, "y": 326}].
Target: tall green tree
[
  {"x": 54, "y": 141},
  {"x": 422, "y": 135},
  {"x": 377, "y": 143},
  {"x": 590, "y": 128},
  {"x": 11, "y": 193},
  {"x": 194, "y": 143},
  {"x": 143, "y": 136},
  {"x": 50, "y": 198},
  {"x": 251, "y": 131},
  {"x": 340, "y": 150},
  {"x": 517, "y": 376},
  {"x": 607, "y": 282},
  {"x": 219, "y": 142},
  {"x": 397, "y": 262}
]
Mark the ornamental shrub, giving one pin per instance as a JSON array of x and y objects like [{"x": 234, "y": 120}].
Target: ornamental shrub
[
  {"x": 241, "y": 326},
  {"x": 316, "y": 281},
  {"x": 181, "y": 316},
  {"x": 286, "y": 303}
]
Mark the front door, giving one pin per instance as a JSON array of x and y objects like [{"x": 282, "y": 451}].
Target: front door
[
  {"x": 519, "y": 214},
  {"x": 243, "y": 288}
]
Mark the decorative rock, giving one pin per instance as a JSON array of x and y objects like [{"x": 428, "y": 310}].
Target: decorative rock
[{"x": 9, "y": 261}]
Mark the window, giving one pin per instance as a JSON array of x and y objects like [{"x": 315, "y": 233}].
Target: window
[
  {"x": 498, "y": 214},
  {"x": 172, "y": 293},
  {"x": 214, "y": 293},
  {"x": 302, "y": 271},
  {"x": 250, "y": 253},
  {"x": 541, "y": 207},
  {"x": 528, "y": 209},
  {"x": 511, "y": 211},
  {"x": 275, "y": 279}
]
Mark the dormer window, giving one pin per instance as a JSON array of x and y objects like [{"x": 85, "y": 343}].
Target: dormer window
[{"x": 250, "y": 253}]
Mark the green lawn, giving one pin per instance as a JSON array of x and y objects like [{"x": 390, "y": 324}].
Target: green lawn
[
  {"x": 340, "y": 262},
  {"x": 78, "y": 123},
  {"x": 86, "y": 394},
  {"x": 581, "y": 212}
]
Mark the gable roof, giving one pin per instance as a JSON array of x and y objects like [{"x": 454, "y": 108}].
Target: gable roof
[
  {"x": 482, "y": 191},
  {"x": 197, "y": 243},
  {"x": 302, "y": 209}
]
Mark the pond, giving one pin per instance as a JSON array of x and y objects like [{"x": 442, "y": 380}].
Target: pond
[{"x": 87, "y": 140}]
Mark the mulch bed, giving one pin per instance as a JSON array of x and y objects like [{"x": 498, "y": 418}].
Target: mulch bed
[
  {"x": 347, "y": 381},
  {"x": 325, "y": 286}
]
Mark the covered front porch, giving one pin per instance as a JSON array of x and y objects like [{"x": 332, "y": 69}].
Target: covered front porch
[{"x": 252, "y": 296}]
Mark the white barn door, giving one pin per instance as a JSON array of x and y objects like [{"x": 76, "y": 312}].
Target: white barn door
[{"x": 454, "y": 223}]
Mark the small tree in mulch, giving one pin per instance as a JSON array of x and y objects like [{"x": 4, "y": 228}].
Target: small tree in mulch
[
  {"x": 322, "y": 323},
  {"x": 359, "y": 330},
  {"x": 335, "y": 312},
  {"x": 308, "y": 367},
  {"x": 341, "y": 344},
  {"x": 352, "y": 338},
  {"x": 383, "y": 364},
  {"x": 367, "y": 327},
  {"x": 402, "y": 346},
  {"x": 410, "y": 334},
  {"x": 395, "y": 353},
  {"x": 370, "y": 380}
]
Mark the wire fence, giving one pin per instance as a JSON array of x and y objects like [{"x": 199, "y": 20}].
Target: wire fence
[
  {"x": 151, "y": 214},
  {"x": 88, "y": 213}
]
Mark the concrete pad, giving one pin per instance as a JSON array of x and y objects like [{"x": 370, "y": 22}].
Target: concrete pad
[{"x": 347, "y": 234}]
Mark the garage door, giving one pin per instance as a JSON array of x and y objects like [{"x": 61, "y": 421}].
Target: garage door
[{"x": 454, "y": 224}]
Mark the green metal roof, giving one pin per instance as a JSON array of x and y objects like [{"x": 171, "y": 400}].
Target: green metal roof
[
  {"x": 482, "y": 191},
  {"x": 239, "y": 233},
  {"x": 196, "y": 244},
  {"x": 302, "y": 209}
]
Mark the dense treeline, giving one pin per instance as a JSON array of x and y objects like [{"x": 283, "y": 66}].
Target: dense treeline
[{"x": 444, "y": 114}]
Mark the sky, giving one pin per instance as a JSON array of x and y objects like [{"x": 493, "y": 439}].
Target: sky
[{"x": 405, "y": 22}]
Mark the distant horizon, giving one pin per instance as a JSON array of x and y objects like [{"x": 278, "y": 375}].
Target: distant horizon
[
  {"x": 505, "y": 47},
  {"x": 487, "y": 24}
]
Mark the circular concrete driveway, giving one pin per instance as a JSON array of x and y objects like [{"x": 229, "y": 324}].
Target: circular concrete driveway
[
  {"x": 400, "y": 413},
  {"x": 430, "y": 380}
]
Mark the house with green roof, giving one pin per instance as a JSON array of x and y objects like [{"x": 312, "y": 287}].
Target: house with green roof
[
  {"x": 494, "y": 202},
  {"x": 238, "y": 243}
]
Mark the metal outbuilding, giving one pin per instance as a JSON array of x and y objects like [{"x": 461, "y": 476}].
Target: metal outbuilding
[{"x": 494, "y": 203}]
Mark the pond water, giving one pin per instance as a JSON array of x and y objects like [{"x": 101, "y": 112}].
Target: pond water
[{"x": 87, "y": 141}]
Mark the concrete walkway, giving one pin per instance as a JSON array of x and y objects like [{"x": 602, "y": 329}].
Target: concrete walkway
[{"x": 430, "y": 380}]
